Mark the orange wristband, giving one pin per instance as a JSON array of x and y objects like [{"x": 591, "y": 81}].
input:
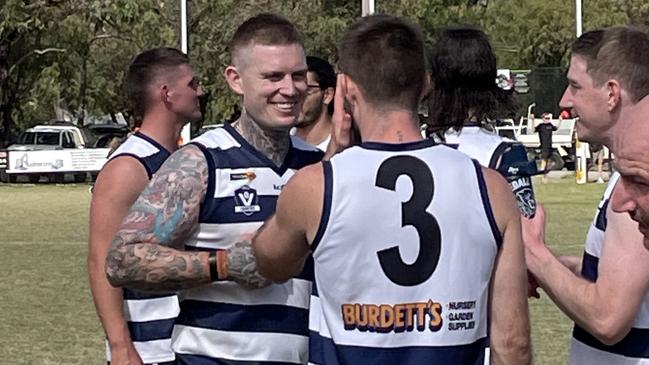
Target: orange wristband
[{"x": 222, "y": 264}]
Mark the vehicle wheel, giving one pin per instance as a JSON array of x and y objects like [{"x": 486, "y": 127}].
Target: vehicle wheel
[
  {"x": 4, "y": 177},
  {"x": 556, "y": 161},
  {"x": 12, "y": 178},
  {"x": 80, "y": 177},
  {"x": 34, "y": 178}
]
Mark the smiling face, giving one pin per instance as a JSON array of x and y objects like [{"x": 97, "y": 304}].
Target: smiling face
[
  {"x": 588, "y": 102},
  {"x": 272, "y": 81}
]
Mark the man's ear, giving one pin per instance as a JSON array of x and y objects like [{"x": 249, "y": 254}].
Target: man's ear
[
  {"x": 328, "y": 97},
  {"x": 233, "y": 78},
  {"x": 165, "y": 95},
  {"x": 614, "y": 96}
]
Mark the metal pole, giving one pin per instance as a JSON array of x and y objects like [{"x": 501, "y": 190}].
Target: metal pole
[
  {"x": 183, "y": 26},
  {"x": 367, "y": 7},
  {"x": 185, "y": 133},
  {"x": 581, "y": 148}
]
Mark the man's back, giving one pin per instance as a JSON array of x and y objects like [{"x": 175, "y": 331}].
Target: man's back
[{"x": 400, "y": 278}]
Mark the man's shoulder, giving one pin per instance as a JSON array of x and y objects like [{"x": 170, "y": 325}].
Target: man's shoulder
[{"x": 218, "y": 137}]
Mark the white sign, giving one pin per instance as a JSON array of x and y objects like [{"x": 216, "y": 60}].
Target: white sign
[{"x": 90, "y": 159}]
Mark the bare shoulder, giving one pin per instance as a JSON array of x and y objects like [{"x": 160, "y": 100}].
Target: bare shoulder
[
  {"x": 501, "y": 198},
  {"x": 301, "y": 200},
  {"x": 120, "y": 174}
]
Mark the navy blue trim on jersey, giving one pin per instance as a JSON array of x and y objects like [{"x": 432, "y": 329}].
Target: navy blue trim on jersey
[
  {"x": 152, "y": 141},
  {"x": 206, "y": 204},
  {"x": 323, "y": 350},
  {"x": 151, "y": 330},
  {"x": 326, "y": 204},
  {"x": 130, "y": 294},
  {"x": 141, "y": 160},
  {"x": 187, "y": 359},
  {"x": 271, "y": 318},
  {"x": 487, "y": 204},
  {"x": 589, "y": 266},
  {"x": 409, "y": 146},
  {"x": 602, "y": 221},
  {"x": 292, "y": 160},
  {"x": 499, "y": 151},
  {"x": 634, "y": 344}
]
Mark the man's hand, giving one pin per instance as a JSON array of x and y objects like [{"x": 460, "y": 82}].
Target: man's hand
[
  {"x": 533, "y": 232},
  {"x": 242, "y": 267},
  {"x": 343, "y": 134},
  {"x": 124, "y": 355}
]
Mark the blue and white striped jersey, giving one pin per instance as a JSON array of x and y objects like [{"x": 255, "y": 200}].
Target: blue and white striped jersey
[
  {"x": 633, "y": 349},
  {"x": 400, "y": 277},
  {"x": 150, "y": 317},
  {"x": 224, "y": 323}
]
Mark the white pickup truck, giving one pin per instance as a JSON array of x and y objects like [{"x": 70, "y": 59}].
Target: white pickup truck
[
  {"x": 563, "y": 139},
  {"x": 51, "y": 150}
]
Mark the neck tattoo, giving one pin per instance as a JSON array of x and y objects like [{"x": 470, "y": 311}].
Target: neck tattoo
[{"x": 273, "y": 144}]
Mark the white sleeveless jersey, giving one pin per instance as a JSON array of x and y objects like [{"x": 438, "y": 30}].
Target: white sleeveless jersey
[
  {"x": 150, "y": 317},
  {"x": 403, "y": 258},
  {"x": 479, "y": 144},
  {"x": 224, "y": 323},
  {"x": 633, "y": 349}
]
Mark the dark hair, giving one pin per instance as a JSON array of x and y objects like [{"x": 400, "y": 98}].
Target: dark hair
[
  {"x": 384, "y": 55},
  {"x": 143, "y": 70},
  {"x": 325, "y": 75},
  {"x": 265, "y": 29},
  {"x": 463, "y": 75},
  {"x": 618, "y": 53}
]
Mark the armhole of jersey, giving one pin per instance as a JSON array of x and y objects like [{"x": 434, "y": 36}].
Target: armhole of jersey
[
  {"x": 326, "y": 204},
  {"x": 149, "y": 173},
  {"x": 206, "y": 204},
  {"x": 498, "y": 152},
  {"x": 487, "y": 204}
]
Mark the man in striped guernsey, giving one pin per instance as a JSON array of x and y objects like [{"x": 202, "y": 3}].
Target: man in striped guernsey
[
  {"x": 191, "y": 228},
  {"x": 413, "y": 286},
  {"x": 606, "y": 292},
  {"x": 164, "y": 92}
]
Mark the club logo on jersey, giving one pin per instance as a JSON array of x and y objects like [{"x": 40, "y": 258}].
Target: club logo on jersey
[
  {"x": 522, "y": 188},
  {"x": 246, "y": 200},
  {"x": 396, "y": 318}
]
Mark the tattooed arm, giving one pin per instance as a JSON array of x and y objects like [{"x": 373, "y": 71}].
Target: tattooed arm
[{"x": 145, "y": 254}]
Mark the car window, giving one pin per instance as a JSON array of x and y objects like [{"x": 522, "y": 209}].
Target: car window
[
  {"x": 27, "y": 138},
  {"x": 47, "y": 138}
]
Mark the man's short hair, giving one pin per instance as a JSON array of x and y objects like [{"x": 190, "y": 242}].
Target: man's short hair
[
  {"x": 384, "y": 55},
  {"x": 463, "y": 76},
  {"x": 618, "y": 53},
  {"x": 143, "y": 71},
  {"x": 325, "y": 75},
  {"x": 265, "y": 29}
]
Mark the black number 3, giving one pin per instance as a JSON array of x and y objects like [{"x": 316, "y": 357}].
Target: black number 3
[{"x": 413, "y": 213}]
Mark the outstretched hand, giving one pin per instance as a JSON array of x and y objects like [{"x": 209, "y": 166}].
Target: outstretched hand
[{"x": 343, "y": 134}]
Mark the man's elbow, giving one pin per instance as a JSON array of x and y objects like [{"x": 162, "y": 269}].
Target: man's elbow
[
  {"x": 272, "y": 272},
  {"x": 516, "y": 350},
  {"x": 610, "y": 331}
]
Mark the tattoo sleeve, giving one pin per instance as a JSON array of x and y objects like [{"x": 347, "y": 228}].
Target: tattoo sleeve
[
  {"x": 146, "y": 253},
  {"x": 242, "y": 265}
]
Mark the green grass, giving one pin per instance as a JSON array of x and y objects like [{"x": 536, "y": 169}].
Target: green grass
[{"x": 46, "y": 311}]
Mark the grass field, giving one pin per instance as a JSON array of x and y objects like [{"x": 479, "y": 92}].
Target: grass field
[{"x": 46, "y": 312}]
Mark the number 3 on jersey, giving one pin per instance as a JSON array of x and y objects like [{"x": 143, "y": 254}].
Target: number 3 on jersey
[{"x": 413, "y": 213}]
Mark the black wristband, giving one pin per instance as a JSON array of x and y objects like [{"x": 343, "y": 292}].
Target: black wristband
[{"x": 214, "y": 275}]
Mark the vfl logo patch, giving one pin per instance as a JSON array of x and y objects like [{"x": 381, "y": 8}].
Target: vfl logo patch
[{"x": 245, "y": 200}]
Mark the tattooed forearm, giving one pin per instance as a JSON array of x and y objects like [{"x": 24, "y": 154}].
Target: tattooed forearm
[
  {"x": 273, "y": 144},
  {"x": 242, "y": 266},
  {"x": 144, "y": 253},
  {"x": 156, "y": 268}
]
